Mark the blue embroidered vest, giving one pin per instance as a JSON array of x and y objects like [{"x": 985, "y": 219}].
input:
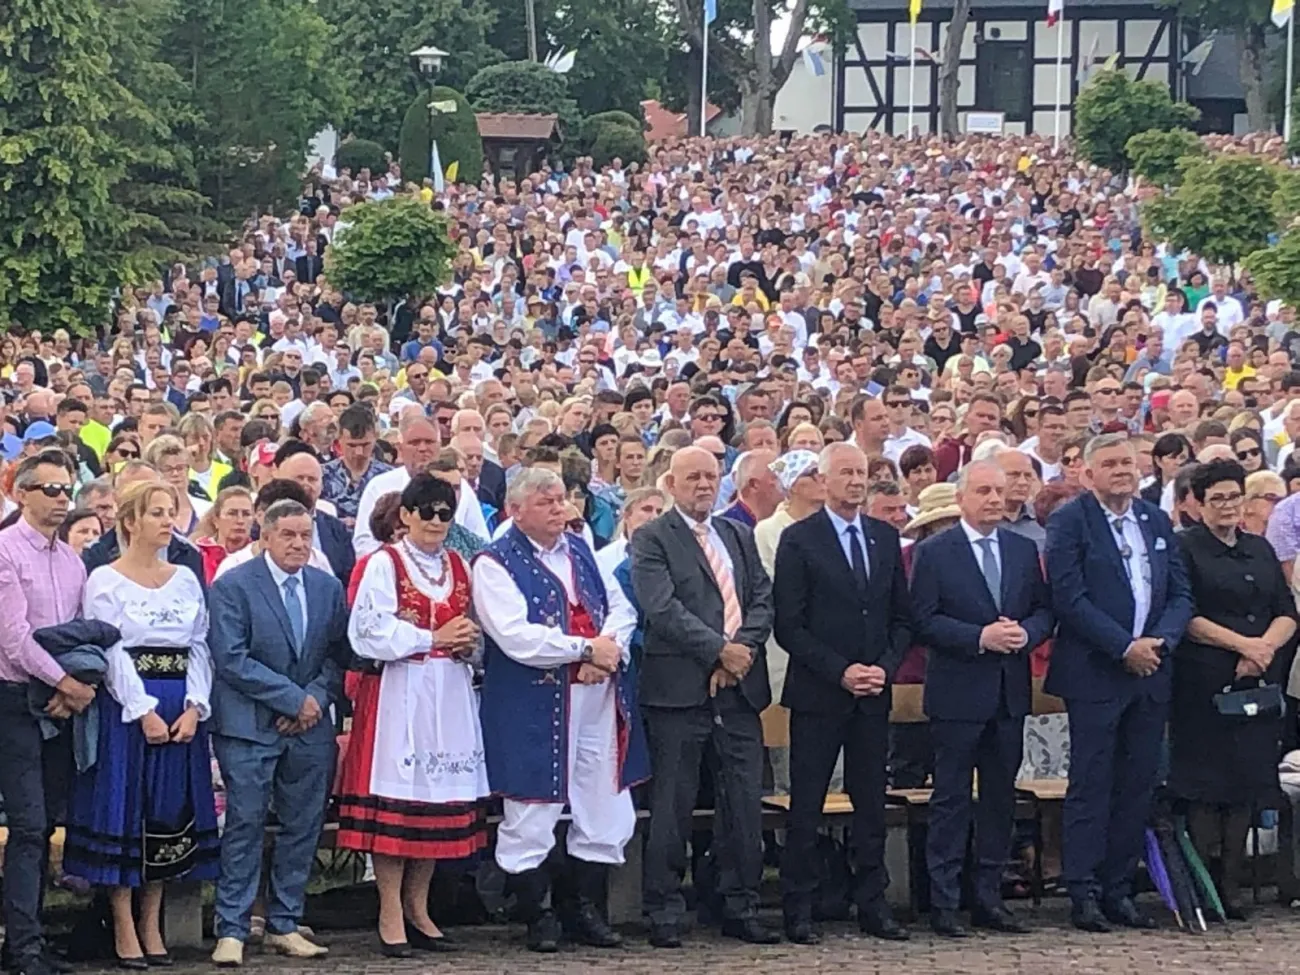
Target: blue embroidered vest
[{"x": 525, "y": 710}]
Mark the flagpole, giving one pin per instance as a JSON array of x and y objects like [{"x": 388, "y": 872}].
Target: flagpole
[
  {"x": 1060, "y": 70},
  {"x": 704, "y": 76},
  {"x": 1290, "y": 74},
  {"x": 911, "y": 82}
]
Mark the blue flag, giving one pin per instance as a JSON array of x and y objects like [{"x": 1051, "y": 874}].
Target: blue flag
[{"x": 710, "y": 11}]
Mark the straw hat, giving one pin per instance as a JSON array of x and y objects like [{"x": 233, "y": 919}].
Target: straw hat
[{"x": 937, "y": 503}]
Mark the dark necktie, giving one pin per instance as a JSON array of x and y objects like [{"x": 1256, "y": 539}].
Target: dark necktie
[{"x": 859, "y": 560}]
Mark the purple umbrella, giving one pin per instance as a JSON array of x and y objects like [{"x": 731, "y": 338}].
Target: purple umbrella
[{"x": 1155, "y": 862}]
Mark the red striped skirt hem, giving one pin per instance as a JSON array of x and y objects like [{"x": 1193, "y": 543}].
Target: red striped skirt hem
[{"x": 411, "y": 830}]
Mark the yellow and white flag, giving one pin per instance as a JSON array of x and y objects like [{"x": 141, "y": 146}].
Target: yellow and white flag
[
  {"x": 1282, "y": 11},
  {"x": 914, "y": 10}
]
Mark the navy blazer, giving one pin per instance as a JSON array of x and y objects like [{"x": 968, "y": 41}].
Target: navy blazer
[
  {"x": 1094, "y": 604},
  {"x": 492, "y": 485},
  {"x": 825, "y": 622},
  {"x": 952, "y": 605},
  {"x": 336, "y": 545},
  {"x": 259, "y": 676}
]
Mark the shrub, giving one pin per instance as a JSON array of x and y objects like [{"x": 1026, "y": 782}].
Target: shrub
[{"x": 359, "y": 154}]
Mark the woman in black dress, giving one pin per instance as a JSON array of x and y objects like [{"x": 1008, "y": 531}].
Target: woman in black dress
[{"x": 1245, "y": 619}]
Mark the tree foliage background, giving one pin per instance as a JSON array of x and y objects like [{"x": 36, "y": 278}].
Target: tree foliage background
[
  {"x": 390, "y": 250},
  {"x": 1225, "y": 208},
  {"x": 1112, "y": 108}
]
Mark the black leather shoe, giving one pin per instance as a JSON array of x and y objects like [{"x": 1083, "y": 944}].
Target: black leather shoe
[
  {"x": 800, "y": 931},
  {"x": 161, "y": 960},
  {"x": 136, "y": 964},
  {"x": 423, "y": 942},
  {"x": 880, "y": 923},
  {"x": 544, "y": 934},
  {"x": 946, "y": 924},
  {"x": 665, "y": 936},
  {"x": 593, "y": 930},
  {"x": 751, "y": 930},
  {"x": 997, "y": 919},
  {"x": 400, "y": 950},
  {"x": 1125, "y": 914},
  {"x": 1086, "y": 915}
]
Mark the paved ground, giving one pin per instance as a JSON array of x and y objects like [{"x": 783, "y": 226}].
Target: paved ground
[{"x": 1267, "y": 944}]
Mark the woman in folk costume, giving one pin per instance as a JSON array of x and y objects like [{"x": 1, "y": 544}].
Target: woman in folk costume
[
  {"x": 414, "y": 773},
  {"x": 144, "y": 812},
  {"x": 560, "y": 719}
]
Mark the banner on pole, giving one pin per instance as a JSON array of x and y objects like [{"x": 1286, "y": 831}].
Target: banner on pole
[
  {"x": 1282, "y": 10},
  {"x": 1054, "y": 10},
  {"x": 914, "y": 11},
  {"x": 710, "y": 11}
]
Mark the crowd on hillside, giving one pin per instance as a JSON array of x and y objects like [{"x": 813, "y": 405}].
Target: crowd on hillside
[{"x": 823, "y": 423}]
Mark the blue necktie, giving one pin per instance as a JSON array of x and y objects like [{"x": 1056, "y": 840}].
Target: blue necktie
[
  {"x": 858, "y": 559},
  {"x": 992, "y": 574},
  {"x": 293, "y": 606}
]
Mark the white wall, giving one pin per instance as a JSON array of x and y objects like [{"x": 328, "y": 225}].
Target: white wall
[{"x": 804, "y": 101}]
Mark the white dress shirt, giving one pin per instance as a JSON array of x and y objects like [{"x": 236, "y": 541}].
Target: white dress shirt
[
  {"x": 1133, "y": 551},
  {"x": 504, "y": 612},
  {"x": 977, "y": 544},
  {"x": 846, "y": 540},
  {"x": 280, "y": 577}
]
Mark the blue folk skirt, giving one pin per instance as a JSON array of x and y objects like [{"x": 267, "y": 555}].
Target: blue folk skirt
[{"x": 142, "y": 812}]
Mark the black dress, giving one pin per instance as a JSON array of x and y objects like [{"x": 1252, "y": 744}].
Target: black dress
[{"x": 1216, "y": 759}]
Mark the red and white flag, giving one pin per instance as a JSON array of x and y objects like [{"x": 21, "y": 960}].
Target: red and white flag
[{"x": 1054, "y": 9}]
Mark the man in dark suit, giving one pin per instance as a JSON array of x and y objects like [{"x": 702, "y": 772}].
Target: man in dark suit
[
  {"x": 296, "y": 461},
  {"x": 981, "y": 605},
  {"x": 1121, "y": 594},
  {"x": 279, "y": 643},
  {"x": 491, "y": 487},
  {"x": 310, "y": 266},
  {"x": 707, "y": 604},
  {"x": 843, "y": 614}
]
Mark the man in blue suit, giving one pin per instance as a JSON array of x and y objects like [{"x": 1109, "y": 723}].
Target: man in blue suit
[
  {"x": 296, "y": 461},
  {"x": 981, "y": 606},
  {"x": 278, "y": 634},
  {"x": 1121, "y": 594}
]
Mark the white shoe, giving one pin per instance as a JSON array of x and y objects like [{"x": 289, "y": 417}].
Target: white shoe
[
  {"x": 294, "y": 945},
  {"x": 229, "y": 953}
]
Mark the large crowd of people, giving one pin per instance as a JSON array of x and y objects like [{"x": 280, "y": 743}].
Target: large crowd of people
[{"x": 758, "y": 424}]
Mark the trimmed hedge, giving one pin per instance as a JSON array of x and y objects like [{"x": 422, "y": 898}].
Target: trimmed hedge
[
  {"x": 456, "y": 132},
  {"x": 359, "y": 154}
]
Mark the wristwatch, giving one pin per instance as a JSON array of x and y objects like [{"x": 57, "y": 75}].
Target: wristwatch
[{"x": 587, "y": 653}]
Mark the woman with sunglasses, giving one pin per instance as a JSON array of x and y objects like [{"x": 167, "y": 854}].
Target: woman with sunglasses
[
  {"x": 413, "y": 779},
  {"x": 122, "y": 448},
  {"x": 1248, "y": 449},
  {"x": 1072, "y": 462}
]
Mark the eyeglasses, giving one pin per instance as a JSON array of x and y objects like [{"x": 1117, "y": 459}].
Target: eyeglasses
[
  {"x": 416, "y": 375},
  {"x": 53, "y": 490},
  {"x": 128, "y": 454},
  {"x": 899, "y": 404},
  {"x": 1107, "y": 391},
  {"x": 273, "y": 417},
  {"x": 709, "y": 417},
  {"x": 1247, "y": 453},
  {"x": 1029, "y": 414},
  {"x": 1224, "y": 500},
  {"x": 428, "y": 512},
  {"x": 1072, "y": 459}
]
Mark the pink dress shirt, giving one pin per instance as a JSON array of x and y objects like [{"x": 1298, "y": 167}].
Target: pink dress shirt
[{"x": 40, "y": 585}]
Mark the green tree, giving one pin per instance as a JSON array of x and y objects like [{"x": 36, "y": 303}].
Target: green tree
[
  {"x": 1249, "y": 21},
  {"x": 1276, "y": 269},
  {"x": 262, "y": 80},
  {"x": 1157, "y": 155},
  {"x": 526, "y": 87},
  {"x": 456, "y": 132},
  {"x": 1112, "y": 108},
  {"x": 620, "y": 45},
  {"x": 607, "y": 135},
  {"x": 1223, "y": 210},
  {"x": 358, "y": 154},
  {"x": 391, "y": 250},
  {"x": 68, "y": 235},
  {"x": 371, "y": 44}
]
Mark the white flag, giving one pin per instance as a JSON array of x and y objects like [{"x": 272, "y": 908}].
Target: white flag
[{"x": 1054, "y": 10}]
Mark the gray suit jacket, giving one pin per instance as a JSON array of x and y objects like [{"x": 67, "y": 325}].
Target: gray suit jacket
[
  {"x": 259, "y": 676},
  {"x": 683, "y": 611}
]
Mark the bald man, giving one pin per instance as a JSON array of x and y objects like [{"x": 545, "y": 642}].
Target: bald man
[{"x": 707, "y": 603}]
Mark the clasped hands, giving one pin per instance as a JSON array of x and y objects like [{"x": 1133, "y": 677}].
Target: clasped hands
[
  {"x": 306, "y": 719},
  {"x": 605, "y": 658},
  {"x": 863, "y": 680},
  {"x": 1003, "y": 636},
  {"x": 1143, "y": 656},
  {"x": 71, "y": 697},
  {"x": 182, "y": 730},
  {"x": 734, "y": 661},
  {"x": 1256, "y": 655},
  {"x": 459, "y": 635}
]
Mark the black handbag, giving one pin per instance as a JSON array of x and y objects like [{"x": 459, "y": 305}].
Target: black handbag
[{"x": 1263, "y": 701}]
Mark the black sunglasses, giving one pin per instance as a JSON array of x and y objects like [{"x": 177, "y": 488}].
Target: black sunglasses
[
  {"x": 428, "y": 512},
  {"x": 52, "y": 490},
  {"x": 128, "y": 454},
  {"x": 1249, "y": 452}
]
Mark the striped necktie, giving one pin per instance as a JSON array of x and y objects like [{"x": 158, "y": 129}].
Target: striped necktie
[{"x": 731, "y": 617}]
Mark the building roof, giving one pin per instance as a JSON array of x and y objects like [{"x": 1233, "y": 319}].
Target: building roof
[
  {"x": 509, "y": 125},
  {"x": 661, "y": 123}
]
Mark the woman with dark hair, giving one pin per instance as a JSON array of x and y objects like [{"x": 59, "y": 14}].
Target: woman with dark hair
[
  {"x": 1169, "y": 453},
  {"x": 1223, "y": 759},
  {"x": 80, "y": 528},
  {"x": 1248, "y": 449},
  {"x": 413, "y": 777},
  {"x": 1023, "y": 420},
  {"x": 794, "y": 413}
]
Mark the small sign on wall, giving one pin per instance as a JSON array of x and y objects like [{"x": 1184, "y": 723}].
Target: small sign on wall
[{"x": 985, "y": 123}]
